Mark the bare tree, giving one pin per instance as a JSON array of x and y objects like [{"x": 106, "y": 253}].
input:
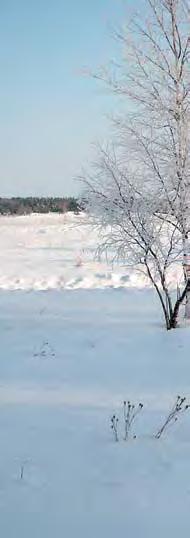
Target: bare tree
[
  {"x": 128, "y": 219},
  {"x": 141, "y": 189}
]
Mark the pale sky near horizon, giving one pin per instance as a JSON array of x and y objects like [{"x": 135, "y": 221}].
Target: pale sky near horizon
[{"x": 50, "y": 112}]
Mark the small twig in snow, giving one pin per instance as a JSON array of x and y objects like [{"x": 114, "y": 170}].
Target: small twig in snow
[
  {"x": 114, "y": 427},
  {"x": 22, "y": 472},
  {"x": 130, "y": 412},
  {"x": 178, "y": 408}
]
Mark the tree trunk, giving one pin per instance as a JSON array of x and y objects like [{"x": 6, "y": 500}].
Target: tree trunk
[
  {"x": 187, "y": 306},
  {"x": 174, "y": 317},
  {"x": 187, "y": 275}
]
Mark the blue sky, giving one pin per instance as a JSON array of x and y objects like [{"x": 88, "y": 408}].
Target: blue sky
[{"x": 50, "y": 113}]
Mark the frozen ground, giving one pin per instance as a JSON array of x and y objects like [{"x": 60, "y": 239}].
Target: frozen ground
[{"x": 68, "y": 360}]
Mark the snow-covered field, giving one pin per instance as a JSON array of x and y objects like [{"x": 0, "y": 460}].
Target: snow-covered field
[
  {"x": 68, "y": 360},
  {"x": 54, "y": 252}
]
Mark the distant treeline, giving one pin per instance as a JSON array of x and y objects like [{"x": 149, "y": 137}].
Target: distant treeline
[{"x": 25, "y": 206}]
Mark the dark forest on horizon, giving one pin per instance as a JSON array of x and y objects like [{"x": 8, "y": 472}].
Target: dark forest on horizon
[{"x": 31, "y": 204}]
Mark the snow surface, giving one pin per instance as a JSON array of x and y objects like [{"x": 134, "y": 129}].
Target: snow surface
[
  {"x": 68, "y": 360},
  {"x": 56, "y": 251}
]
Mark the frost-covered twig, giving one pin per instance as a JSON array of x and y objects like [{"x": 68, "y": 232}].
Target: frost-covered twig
[
  {"x": 178, "y": 408},
  {"x": 114, "y": 427},
  {"x": 130, "y": 412}
]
